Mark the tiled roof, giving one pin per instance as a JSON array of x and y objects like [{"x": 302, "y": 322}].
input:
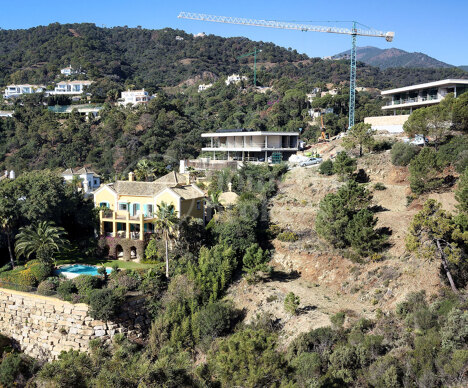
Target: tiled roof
[
  {"x": 187, "y": 192},
  {"x": 138, "y": 188},
  {"x": 173, "y": 178}
]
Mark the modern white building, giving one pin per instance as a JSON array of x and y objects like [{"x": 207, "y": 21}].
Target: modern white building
[
  {"x": 18, "y": 90},
  {"x": 235, "y": 78},
  {"x": 134, "y": 97},
  {"x": 408, "y": 98},
  {"x": 67, "y": 71},
  {"x": 401, "y": 102},
  {"x": 179, "y": 37},
  {"x": 90, "y": 181},
  {"x": 199, "y": 35},
  {"x": 245, "y": 144},
  {"x": 6, "y": 113},
  {"x": 331, "y": 92},
  {"x": 70, "y": 87},
  {"x": 203, "y": 87}
]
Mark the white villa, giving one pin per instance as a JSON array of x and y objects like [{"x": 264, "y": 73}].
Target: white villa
[
  {"x": 90, "y": 180},
  {"x": 244, "y": 144},
  {"x": 134, "y": 97},
  {"x": 71, "y": 87},
  {"x": 403, "y": 101},
  {"x": 67, "y": 71},
  {"x": 235, "y": 78},
  {"x": 422, "y": 95},
  {"x": 17, "y": 90},
  {"x": 203, "y": 87}
]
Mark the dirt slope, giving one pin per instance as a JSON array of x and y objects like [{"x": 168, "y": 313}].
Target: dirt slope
[{"x": 326, "y": 281}]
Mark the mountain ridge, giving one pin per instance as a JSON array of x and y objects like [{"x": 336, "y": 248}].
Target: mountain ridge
[{"x": 394, "y": 57}]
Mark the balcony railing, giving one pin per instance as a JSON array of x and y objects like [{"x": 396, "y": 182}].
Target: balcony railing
[
  {"x": 412, "y": 100},
  {"x": 246, "y": 147}
]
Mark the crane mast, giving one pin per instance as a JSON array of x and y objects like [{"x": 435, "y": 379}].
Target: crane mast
[{"x": 354, "y": 32}]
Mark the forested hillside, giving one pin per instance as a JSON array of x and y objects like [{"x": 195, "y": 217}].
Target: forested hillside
[{"x": 154, "y": 58}]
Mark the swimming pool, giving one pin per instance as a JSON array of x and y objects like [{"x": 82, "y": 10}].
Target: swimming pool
[{"x": 74, "y": 270}]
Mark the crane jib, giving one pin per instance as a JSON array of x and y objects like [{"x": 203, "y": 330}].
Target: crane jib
[{"x": 389, "y": 35}]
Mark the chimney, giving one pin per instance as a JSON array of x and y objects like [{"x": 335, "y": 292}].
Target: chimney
[
  {"x": 182, "y": 166},
  {"x": 131, "y": 176}
]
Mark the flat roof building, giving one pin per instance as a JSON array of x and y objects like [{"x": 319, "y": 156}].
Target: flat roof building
[
  {"x": 411, "y": 97},
  {"x": 244, "y": 144}
]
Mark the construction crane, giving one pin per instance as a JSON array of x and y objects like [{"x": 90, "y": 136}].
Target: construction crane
[
  {"x": 254, "y": 53},
  {"x": 354, "y": 32}
]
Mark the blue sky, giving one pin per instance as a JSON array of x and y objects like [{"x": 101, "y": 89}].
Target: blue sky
[{"x": 436, "y": 28}]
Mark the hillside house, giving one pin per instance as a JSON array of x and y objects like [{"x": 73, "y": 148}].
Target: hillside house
[
  {"x": 18, "y": 90},
  {"x": 134, "y": 97},
  {"x": 90, "y": 181},
  {"x": 403, "y": 101},
  {"x": 128, "y": 207},
  {"x": 244, "y": 144},
  {"x": 235, "y": 78},
  {"x": 70, "y": 87},
  {"x": 68, "y": 71},
  {"x": 203, "y": 87}
]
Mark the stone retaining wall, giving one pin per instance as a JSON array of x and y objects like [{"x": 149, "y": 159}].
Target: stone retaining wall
[{"x": 44, "y": 326}]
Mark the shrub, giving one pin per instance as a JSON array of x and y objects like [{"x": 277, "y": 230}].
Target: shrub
[
  {"x": 461, "y": 194},
  {"x": 291, "y": 303},
  {"x": 343, "y": 362},
  {"x": 26, "y": 280},
  {"x": 41, "y": 271},
  {"x": 423, "y": 171},
  {"x": 46, "y": 288},
  {"x": 403, "y": 153},
  {"x": 344, "y": 165},
  {"x": 122, "y": 279},
  {"x": 255, "y": 260},
  {"x": 338, "y": 319},
  {"x": 248, "y": 358},
  {"x": 307, "y": 367},
  {"x": 153, "y": 252},
  {"x": 104, "y": 303},
  {"x": 213, "y": 321},
  {"x": 85, "y": 284},
  {"x": 380, "y": 186},
  {"x": 15, "y": 369},
  {"x": 362, "y": 235},
  {"x": 288, "y": 236},
  {"x": 65, "y": 289},
  {"x": 381, "y": 145},
  {"x": 326, "y": 167},
  {"x": 454, "y": 152}
]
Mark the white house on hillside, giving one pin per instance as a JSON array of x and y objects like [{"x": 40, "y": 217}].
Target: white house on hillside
[
  {"x": 90, "y": 181},
  {"x": 67, "y": 71},
  {"x": 17, "y": 90},
  {"x": 71, "y": 87},
  {"x": 244, "y": 144},
  {"x": 235, "y": 78},
  {"x": 203, "y": 87},
  {"x": 134, "y": 97}
]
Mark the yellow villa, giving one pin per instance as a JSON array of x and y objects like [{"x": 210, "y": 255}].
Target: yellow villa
[{"x": 128, "y": 207}]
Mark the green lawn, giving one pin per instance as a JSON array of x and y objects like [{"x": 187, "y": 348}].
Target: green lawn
[{"x": 107, "y": 263}]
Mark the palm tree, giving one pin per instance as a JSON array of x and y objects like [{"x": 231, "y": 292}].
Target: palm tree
[
  {"x": 44, "y": 240},
  {"x": 167, "y": 222},
  {"x": 144, "y": 170},
  {"x": 213, "y": 200}
]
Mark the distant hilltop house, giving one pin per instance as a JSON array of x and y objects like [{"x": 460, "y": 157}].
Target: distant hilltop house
[
  {"x": 403, "y": 101},
  {"x": 235, "y": 78},
  {"x": 311, "y": 96},
  {"x": 18, "y": 90},
  {"x": 68, "y": 71},
  {"x": 6, "y": 113},
  {"x": 134, "y": 97},
  {"x": 199, "y": 35},
  {"x": 8, "y": 175},
  {"x": 90, "y": 181},
  {"x": 70, "y": 87},
  {"x": 203, "y": 87},
  {"x": 331, "y": 92},
  {"x": 128, "y": 208},
  {"x": 179, "y": 38}
]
